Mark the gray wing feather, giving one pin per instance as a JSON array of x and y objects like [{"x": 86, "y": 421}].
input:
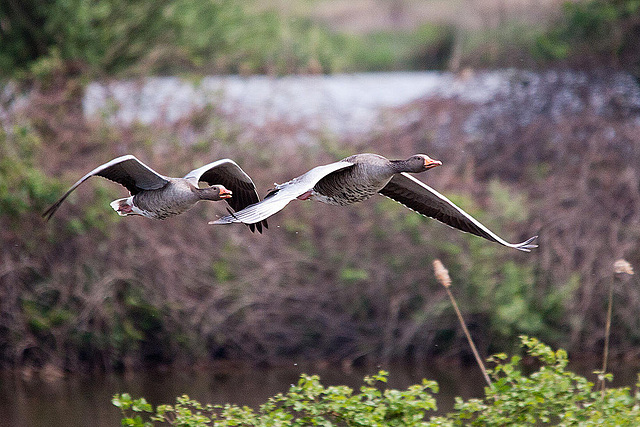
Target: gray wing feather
[
  {"x": 227, "y": 172},
  {"x": 423, "y": 199},
  {"x": 225, "y": 167},
  {"x": 277, "y": 199},
  {"x": 125, "y": 170}
]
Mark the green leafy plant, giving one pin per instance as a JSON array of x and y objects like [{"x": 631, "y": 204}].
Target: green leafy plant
[
  {"x": 129, "y": 406},
  {"x": 306, "y": 403},
  {"x": 550, "y": 395}
]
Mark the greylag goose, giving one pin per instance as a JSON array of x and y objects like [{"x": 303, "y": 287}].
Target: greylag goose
[
  {"x": 359, "y": 177},
  {"x": 157, "y": 196}
]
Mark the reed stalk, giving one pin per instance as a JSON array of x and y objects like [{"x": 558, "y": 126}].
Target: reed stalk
[
  {"x": 442, "y": 275},
  {"x": 607, "y": 330},
  {"x": 620, "y": 267}
]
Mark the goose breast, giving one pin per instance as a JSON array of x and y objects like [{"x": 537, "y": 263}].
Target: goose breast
[{"x": 173, "y": 199}]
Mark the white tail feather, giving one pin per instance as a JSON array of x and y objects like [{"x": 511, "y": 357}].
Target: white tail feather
[{"x": 124, "y": 206}]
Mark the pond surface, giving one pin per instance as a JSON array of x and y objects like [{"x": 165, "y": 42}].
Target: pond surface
[
  {"x": 85, "y": 400},
  {"x": 345, "y": 104}
]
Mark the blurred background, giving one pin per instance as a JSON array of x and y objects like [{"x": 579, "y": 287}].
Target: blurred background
[{"x": 532, "y": 106}]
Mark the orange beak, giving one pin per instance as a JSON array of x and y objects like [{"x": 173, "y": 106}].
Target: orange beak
[
  {"x": 430, "y": 163},
  {"x": 225, "y": 194}
]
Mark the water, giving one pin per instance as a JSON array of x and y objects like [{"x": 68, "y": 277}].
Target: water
[
  {"x": 345, "y": 104},
  {"x": 83, "y": 400}
]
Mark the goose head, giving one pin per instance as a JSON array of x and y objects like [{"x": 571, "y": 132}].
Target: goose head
[
  {"x": 417, "y": 163},
  {"x": 214, "y": 192}
]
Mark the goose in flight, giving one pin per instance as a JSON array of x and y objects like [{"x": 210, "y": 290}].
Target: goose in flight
[
  {"x": 157, "y": 196},
  {"x": 359, "y": 177}
]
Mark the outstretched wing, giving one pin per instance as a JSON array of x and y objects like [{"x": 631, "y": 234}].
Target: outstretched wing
[
  {"x": 280, "y": 197},
  {"x": 125, "y": 170},
  {"x": 423, "y": 199},
  {"x": 227, "y": 172}
]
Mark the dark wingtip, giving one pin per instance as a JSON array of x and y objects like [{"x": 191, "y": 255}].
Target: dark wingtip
[
  {"x": 270, "y": 193},
  {"x": 49, "y": 212},
  {"x": 258, "y": 226}
]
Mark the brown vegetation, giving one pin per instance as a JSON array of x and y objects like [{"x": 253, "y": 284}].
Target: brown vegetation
[
  {"x": 91, "y": 289},
  {"x": 573, "y": 148}
]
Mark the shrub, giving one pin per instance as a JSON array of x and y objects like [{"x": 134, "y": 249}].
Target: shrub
[
  {"x": 23, "y": 187},
  {"x": 550, "y": 395},
  {"x": 306, "y": 403},
  {"x": 105, "y": 35},
  {"x": 142, "y": 36},
  {"x": 596, "y": 32}
]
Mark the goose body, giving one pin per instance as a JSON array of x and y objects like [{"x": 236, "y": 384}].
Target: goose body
[
  {"x": 366, "y": 175},
  {"x": 156, "y": 196},
  {"x": 357, "y": 178},
  {"x": 176, "y": 197}
]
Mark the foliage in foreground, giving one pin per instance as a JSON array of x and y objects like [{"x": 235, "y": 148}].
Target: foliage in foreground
[{"x": 550, "y": 395}]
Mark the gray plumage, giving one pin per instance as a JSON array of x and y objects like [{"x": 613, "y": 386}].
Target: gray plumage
[
  {"x": 366, "y": 176},
  {"x": 358, "y": 177},
  {"x": 157, "y": 196}
]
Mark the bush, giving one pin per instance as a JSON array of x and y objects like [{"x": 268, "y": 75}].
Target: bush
[
  {"x": 550, "y": 395},
  {"x": 105, "y": 35},
  {"x": 307, "y": 403},
  {"x": 206, "y": 36},
  {"x": 222, "y": 36},
  {"x": 596, "y": 33},
  {"x": 142, "y": 36},
  {"x": 23, "y": 187}
]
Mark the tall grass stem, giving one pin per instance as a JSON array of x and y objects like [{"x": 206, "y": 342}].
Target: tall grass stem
[
  {"x": 620, "y": 267},
  {"x": 607, "y": 330},
  {"x": 442, "y": 275}
]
